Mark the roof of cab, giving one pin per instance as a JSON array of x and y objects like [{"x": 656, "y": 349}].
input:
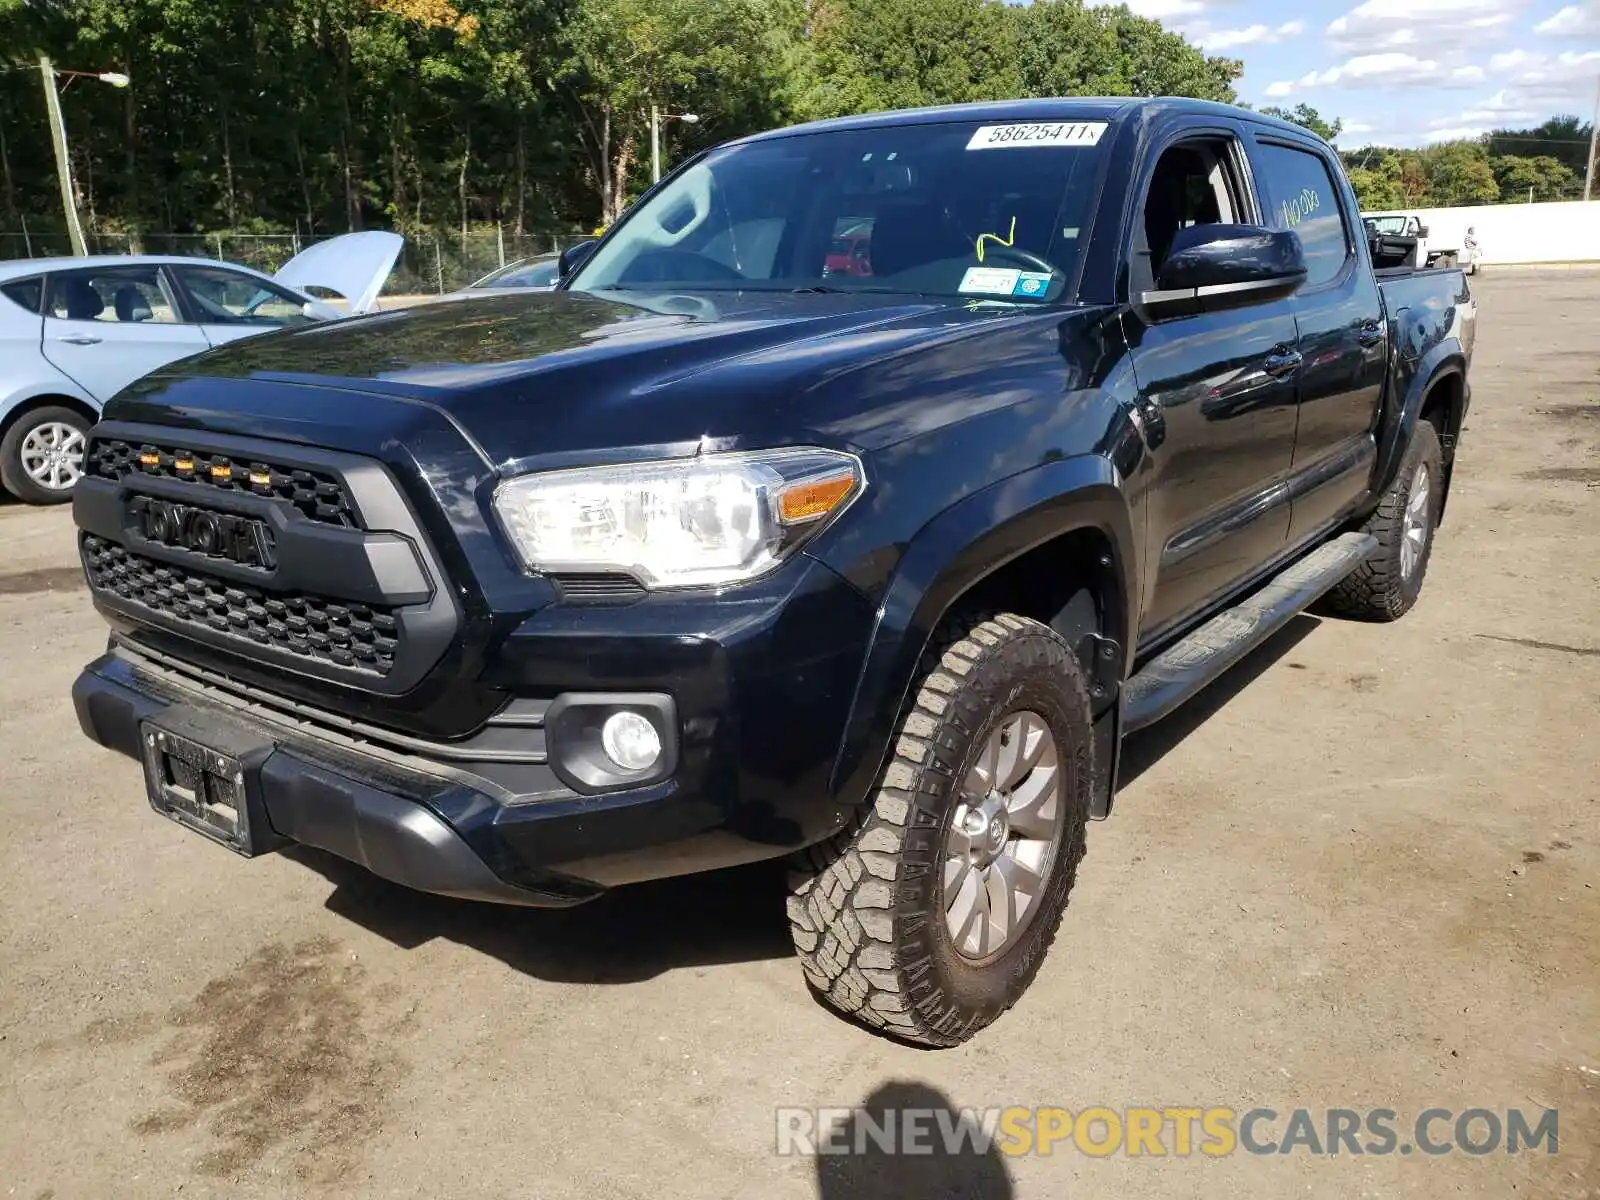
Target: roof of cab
[{"x": 1080, "y": 108}]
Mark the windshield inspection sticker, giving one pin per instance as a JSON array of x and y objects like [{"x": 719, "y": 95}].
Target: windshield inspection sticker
[
  {"x": 1050, "y": 133},
  {"x": 1033, "y": 284},
  {"x": 990, "y": 281}
]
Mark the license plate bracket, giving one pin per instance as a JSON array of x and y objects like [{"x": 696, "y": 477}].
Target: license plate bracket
[{"x": 200, "y": 777}]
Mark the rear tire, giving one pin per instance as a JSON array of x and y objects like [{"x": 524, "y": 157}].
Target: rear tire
[
  {"x": 931, "y": 917},
  {"x": 42, "y": 455},
  {"x": 1389, "y": 580}
]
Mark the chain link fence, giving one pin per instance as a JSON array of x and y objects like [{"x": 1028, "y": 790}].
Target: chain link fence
[{"x": 431, "y": 262}]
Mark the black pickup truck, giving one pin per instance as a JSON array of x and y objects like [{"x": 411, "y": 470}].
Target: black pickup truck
[{"x": 734, "y": 549}]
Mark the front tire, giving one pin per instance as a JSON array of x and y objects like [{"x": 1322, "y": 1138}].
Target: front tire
[
  {"x": 41, "y": 455},
  {"x": 931, "y": 918},
  {"x": 1387, "y": 583}
]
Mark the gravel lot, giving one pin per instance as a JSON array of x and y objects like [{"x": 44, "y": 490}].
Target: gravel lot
[{"x": 1363, "y": 872}]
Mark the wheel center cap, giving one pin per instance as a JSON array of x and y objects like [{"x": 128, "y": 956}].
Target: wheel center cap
[{"x": 997, "y": 832}]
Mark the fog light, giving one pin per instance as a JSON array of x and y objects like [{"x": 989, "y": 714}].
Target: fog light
[{"x": 630, "y": 741}]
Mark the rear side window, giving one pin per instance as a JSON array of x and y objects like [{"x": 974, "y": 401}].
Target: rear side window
[
  {"x": 1303, "y": 196},
  {"x": 24, "y": 292},
  {"x": 120, "y": 295}
]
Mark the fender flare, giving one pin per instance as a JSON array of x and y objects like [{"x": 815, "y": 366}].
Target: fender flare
[
  {"x": 963, "y": 545},
  {"x": 1400, "y": 421}
]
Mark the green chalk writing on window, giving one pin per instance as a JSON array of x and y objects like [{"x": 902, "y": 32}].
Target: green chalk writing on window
[{"x": 1009, "y": 240}]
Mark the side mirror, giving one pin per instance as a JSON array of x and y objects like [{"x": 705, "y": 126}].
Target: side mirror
[
  {"x": 574, "y": 257},
  {"x": 1422, "y": 231},
  {"x": 1213, "y": 267}
]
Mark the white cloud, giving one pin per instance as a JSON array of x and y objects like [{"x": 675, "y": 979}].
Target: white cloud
[
  {"x": 1391, "y": 69},
  {"x": 1163, "y": 10},
  {"x": 1554, "y": 78},
  {"x": 1575, "y": 20},
  {"x": 1378, "y": 25},
  {"x": 1498, "y": 118},
  {"x": 1456, "y": 133},
  {"x": 1251, "y": 35},
  {"x": 1278, "y": 90},
  {"x": 1511, "y": 60}
]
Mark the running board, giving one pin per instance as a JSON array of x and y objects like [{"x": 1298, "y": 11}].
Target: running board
[{"x": 1179, "y": 672}]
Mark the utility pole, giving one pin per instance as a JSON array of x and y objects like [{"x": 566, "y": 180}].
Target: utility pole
[
  {"x": 655, "y": 146},
  {"x": 657, "y": 118},
  {"x": 58, "y": 134},
  {"x": 1594, "y": 133}
]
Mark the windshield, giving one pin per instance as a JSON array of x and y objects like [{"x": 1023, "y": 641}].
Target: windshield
[
  {"x": 964, "y": 210},
  {"x": 534, "y": 273},
  {"x": 1388, "y": 225}
]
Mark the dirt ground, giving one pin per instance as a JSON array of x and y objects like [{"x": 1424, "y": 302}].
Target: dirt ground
[{"x": 1364, "y": 871}]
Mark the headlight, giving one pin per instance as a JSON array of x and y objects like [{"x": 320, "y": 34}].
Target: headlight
[{"x": 712, "y": 519}]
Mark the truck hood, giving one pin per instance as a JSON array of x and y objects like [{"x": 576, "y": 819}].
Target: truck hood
[{"x": 568, "y": 376}]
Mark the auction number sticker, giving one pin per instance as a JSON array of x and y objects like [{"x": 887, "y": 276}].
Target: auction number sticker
[{"x": 1051, "y": 133}]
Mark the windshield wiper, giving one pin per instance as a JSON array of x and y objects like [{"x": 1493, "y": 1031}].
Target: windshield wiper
[{"x": 817, "y": 289}]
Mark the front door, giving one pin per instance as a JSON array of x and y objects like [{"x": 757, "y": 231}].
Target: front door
[
  {"x": 1343, "y": 346},
  {"x": 1216, "y": 399},
  {"x": 105, "y": 327},
  {"x": 232, "y": 304}
]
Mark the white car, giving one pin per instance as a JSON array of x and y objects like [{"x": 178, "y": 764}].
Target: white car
[
  {"x": 540, "y": 273},
  {"x": 76, "y": 331},
  {"x": 1429, "y": 253}
]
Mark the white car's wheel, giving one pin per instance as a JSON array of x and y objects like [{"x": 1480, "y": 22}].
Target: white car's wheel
[{"x": 42, "y": 454}]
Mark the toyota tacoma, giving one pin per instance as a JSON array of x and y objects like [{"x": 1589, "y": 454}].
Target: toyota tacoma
[{"x": 716, "y": 555}]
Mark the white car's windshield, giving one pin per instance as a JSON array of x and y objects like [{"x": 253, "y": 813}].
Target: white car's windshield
[
  {"x": 1389, "y": 225},
  {"x": 982, "y": 211},
  {"x": 539, "y": 273}
]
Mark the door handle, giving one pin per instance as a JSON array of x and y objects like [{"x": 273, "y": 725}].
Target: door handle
[
  {"x": 1371, "y": 333},
  {"x": 79, "y": 339},
  {"x": 1282, "y": 361}
]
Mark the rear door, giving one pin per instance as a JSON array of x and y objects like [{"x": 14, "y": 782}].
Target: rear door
[
  {"x": 232, "y": 304},
  {"x": 104, "y": 327},
  {"x": 1343, "y": 346}
]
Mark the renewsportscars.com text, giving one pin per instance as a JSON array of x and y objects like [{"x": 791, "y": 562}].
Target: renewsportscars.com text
[{"x": 1178, "y": 1131}]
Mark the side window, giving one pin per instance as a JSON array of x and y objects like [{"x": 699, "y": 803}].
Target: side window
[
  {"x": 115, "y": 295},
  {"x": 1304, "y": 197},
  {"x": 223, "y": 297},
  {"x": 25, "y": 292},
  {"x": 1193, "y": 184}
]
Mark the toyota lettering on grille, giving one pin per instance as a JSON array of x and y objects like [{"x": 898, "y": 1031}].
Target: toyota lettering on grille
[{"x": 243, "y": 540}]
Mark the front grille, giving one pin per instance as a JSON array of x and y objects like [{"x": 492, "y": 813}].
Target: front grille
[
  {"x": 319, "y": 496},
  {"x": 360, "y": 636}
]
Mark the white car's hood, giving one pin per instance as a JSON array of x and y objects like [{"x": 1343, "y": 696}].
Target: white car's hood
[{"x": 355, "y": 265}]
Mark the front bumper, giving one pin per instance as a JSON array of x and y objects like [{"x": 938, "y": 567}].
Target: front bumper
[
  {"x": 378, "y": 813},
  {"x": 759, "y": 699}
]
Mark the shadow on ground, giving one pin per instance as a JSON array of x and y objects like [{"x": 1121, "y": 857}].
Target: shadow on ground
[
  {"x": 636, "y": 933},
  {"x": 876, "y": 1162},
  {"x": 626, "y": 936},
  {"x": 1143, "y": 750}
]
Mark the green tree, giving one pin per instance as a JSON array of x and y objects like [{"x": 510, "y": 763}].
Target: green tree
[
  {"x": 1066, "y": 49},
  {"x": 1565, "y": 139},
  {"x": 704, "y": 56},
  {"x": 1541, "y": 178},
  {"x": 1157, "y": 62},
  {"x": 868, "y": 55},
  {"x": 1377, "y": 180},
  {"x": 1310, "y": 118},
  {"x": 1459, "y": 173}
]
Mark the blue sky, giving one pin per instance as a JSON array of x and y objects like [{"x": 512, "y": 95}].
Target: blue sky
[{"x": 1404, "y": 72}]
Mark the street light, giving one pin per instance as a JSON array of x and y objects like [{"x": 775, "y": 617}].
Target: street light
[
  {"x": 657, "y": 119},
  {"x": 58, "y": 135}
]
